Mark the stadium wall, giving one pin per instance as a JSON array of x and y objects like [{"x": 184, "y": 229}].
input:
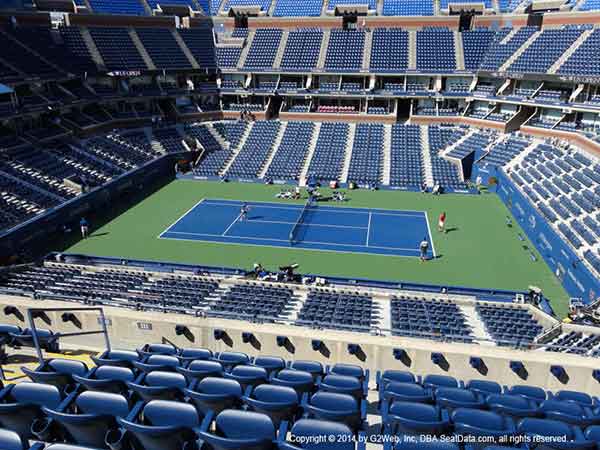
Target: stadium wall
[
  {"x": 131, "y": 329},
  {"x": 572, "y": 272},
  {"x": 34, "y": 235}
]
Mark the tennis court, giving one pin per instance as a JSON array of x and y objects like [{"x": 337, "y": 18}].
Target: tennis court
[{"x": 312, "y": 227}]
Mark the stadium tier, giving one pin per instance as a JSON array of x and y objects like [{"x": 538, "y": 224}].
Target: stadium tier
[{"x": 318, "y": 225}]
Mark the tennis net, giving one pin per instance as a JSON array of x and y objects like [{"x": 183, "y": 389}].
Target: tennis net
[{"x": 300, "y": 221}]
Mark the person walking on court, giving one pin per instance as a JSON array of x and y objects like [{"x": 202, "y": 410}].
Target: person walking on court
[
  {"x": 85, "y": 229},
  {"x": 442, "y": 223},
  {"x": 423, "y": 246},
  {"x": 244, "y": 212}
]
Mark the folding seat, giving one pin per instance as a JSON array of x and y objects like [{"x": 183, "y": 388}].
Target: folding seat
[
  {"x": 313, "y": 367},
  {"x": 164, "y": 363},
  {"x": 21, "y": 404},
  {"x": 592, "y": 433},
  {"x": 47, "y": 339},
  {"x": 87, "y": 419},
  {"x": 106, "y": 379},
  {"x": 123, "y": 358},
  {"x": 476, "y": 423},
  {"x": 247, "y": 375},
  {"x": 553, "y": 434},
  {"x": 240, "y": 430},
  {"x": 336, "y": 408},
  {"x": 230, "y": 359},
  {"x": 156, "y": 349},
  {"x": 187, "y": 355},
  {"x": 342, "y": 384},
  {"x": 452, "y": 398},
  {"x": 9, "y": 440},
  {"x": 306, "y": 434},
  {"x": 408, "y": 392},
  {"x": 568, "y": 412},
  {"x": 278, "y": 402},
  {"x": 484, "y": 387},
  {"x": 402, "y": 418},
  {"x": 215, "y": 394},
  {"x": 580, "y": 397},
  {"x": 57, "y": 372},
  {"x": 298, "y": 380},
  {"x": 515, "y": 406},
  {"x": 269, "y": 363},
  {"x": 435, "y": 381},
  {"x": 532, "y": 392},
  {"x": 6, "y": 331},
  {"x": 160, "y": 425},
  {"x": 200, "y": 369},
  {"x": 159, "y": 385}
]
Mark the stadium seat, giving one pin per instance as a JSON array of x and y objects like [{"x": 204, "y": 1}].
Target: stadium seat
[
  {"x": 247, "y": 375},
  {"x": 58, "y": 372},
  {"x": 270, "y": 363},
  {"x": 106, "y": 379},
  {"x": 298, "y": 380},
  {"x": 215, "y": 394},
  {"x": 240, "y": 430},
  {"x": 161, "y": 425},
  {"x": 335, "y": 407},
  {"x": 158, "y": 385},
  {"x": 515, "y": 406},
  {"x": 278, "y": 402},
  {"x": 89, "y": 417},
  {"x": 554, "y": 434},
  {"x": 9, "y": 440},
  {"x": 452, "y": 398},
  {"x": 476, "y": 423},
  {"x": 406, "y": 418},
  {"x": 200, "y": 369},
  {"x": 116, "y": 358},
  {"x": 408, "y": 392},
  {"x": 305, "y": 432},
  {"x": 21, "y": 404}
]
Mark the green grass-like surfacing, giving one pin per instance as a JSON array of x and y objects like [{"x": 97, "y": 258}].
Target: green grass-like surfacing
[{"x": 479, "y": 251}]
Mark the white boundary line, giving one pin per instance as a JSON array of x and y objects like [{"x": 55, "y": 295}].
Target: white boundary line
[
  {"x": 307, "y": 224},
  {"x": 296, "y": 248},
  {"x": 333, "y": 209},
  {"x": 229, "y": 227},
  {"x": 181, "y": 217},
  {"x": 430, "y": 235},
  {"x": 233, "y": 236},
  {"x": 369, "y": 227},
  {"x": 336, "y": 209}
]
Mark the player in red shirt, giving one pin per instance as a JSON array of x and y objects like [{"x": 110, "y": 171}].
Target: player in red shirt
[{"x": 442, "y": 223}]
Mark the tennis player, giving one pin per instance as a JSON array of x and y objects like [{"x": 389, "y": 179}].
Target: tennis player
[
  {"x": 244, "y": 212},
  {"x": 442, "y": 223}
]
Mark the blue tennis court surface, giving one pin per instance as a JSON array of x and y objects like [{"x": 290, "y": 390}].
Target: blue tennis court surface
[{"x": 329, "y": 228}]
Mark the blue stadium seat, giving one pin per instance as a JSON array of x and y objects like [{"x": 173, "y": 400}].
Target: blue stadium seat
[
  {"x": 89, "y": 417},
  {"x": 162, "y": 425},
  {"x": 106, "y": 379},
  {"x": 515, "y": 406},
  {"x": 406, "y": 418},
  {"x": 278, "y": 402},
  {"x": 247, "y": 375},
  {"x": 215, "y": 394},
  {"x": 305, "y": 435},
  {"x": 476, "y": 423},
  {"x": 9, "y": 440},
  {"x": 298, "y": 380},
  {"x": 58, "y": 372},
  {"x": 335, "y": 407},
  {"x": 554, "y": 434},
  {"x": 21, "y": 405},
  {"x": 200, "y": 369},
  {"x": 408, "y": 392},
  {"x": 240, "y": 430},
  {"x": 159, "y": 385}
]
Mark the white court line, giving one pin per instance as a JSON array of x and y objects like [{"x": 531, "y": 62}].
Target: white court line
[
  {"x": 233, "y": 236},
  {"x": 369, "y": 228},
  {"x": 297, "y": 248},
  {"x": 230, "y": 225},
  {"x": 306, "y": 224},
  {"x": 332, "y": 209},
  {"x": 430, "y": 236},
  {"x": 181, "y": 217}
]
